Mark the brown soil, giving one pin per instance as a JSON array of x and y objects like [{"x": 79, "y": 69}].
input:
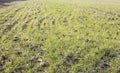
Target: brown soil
[
  {"x": 3, "y": 2},
  {"x": 8, "y": 1}
]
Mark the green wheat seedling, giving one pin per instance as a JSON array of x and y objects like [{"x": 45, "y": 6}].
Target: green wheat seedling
[{"x": 60, "y": 36}]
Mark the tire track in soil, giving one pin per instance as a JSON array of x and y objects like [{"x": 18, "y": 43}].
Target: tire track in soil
[
  {"x": 20, "y": 18},
  {"x": 31, "y": 17},
  {"x": 9, "y": 27},
  {"x": 107, "y": 12},
  {"x": 10, "y": 16}
]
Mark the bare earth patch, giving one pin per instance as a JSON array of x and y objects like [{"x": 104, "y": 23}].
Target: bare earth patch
[{"x": 3, "y": 2}]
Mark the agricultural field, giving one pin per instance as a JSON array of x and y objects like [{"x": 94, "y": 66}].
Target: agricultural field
[{"x": 60, "y": 36}]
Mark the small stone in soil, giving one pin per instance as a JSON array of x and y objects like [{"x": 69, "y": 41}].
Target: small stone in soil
[{"x": 39, "y": 59}]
